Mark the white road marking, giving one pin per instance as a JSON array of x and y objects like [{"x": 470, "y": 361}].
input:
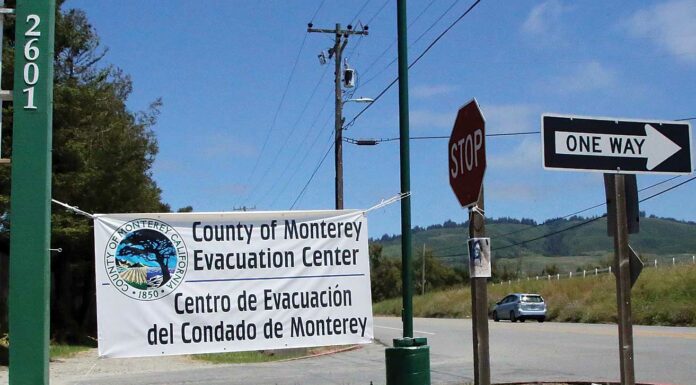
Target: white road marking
[{"x": 399, "y": 329}]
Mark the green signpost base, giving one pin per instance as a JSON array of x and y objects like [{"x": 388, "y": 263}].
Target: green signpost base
[{"x": 408, "y": 362}]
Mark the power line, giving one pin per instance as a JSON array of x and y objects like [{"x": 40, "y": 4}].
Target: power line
[
  {"x": 671, "y": 188},
  {"x": 415, "y": 41},
  {"x": 575, "y": 226},
  {"x": 317, "y": 11},
  {"x": 297, "y": 152},
  {"x": 589, "y": 208},
  {"x": 280, "y": 104},
  {"x": 586, "y": 209},
  {"x": 282, "y": 100},
  {"x": 312, "y": 176},
  {"x": 381, "y": 55},
  {"x": 381, "y": 140},
  {"x": 301, "y": 162},
  {"x": 428, "y": 48},
  {"x": 590, "y": 220},
  {"x": 359, "y": 11},
  {"x": 378, "y": 11},
  {"x": 290, "y": 134}
]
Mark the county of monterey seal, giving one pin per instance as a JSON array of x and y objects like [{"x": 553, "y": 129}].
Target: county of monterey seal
[{"x": 145, "y": 259}]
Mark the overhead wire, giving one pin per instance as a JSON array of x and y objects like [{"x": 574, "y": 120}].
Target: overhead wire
[
  {"x": 294, "y": 126},
  {"x": 317, "y": 11},
  {"x": 354, "y": 48},
  {"x": 352, "y": 21},
  {"x": 378, "y": 12},
  {"x": 381, "y": 140},
  {"x": 577, "y": 225},
  {"x": 280, "y": 104},
  {"x": 298, "y": 167},
  {"x": 391, "y": 45},
  {"x": 432, "y": 25},
  {"x": 592, "y": 220},
  {"x": 289, "y": 135},
  {"x": 567, "y": 215},
  {"x": 304, "y": 188},
  {"x": 426, "y": 50}
]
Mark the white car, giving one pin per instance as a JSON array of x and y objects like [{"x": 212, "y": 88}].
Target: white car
[{"x": 520, "y": 306}]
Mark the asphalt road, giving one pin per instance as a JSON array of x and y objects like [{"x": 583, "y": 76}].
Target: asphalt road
[{"x": 518, "y": 352}]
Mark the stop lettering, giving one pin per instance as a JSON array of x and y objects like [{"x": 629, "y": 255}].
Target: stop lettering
[{"x": 467, "y": 154}]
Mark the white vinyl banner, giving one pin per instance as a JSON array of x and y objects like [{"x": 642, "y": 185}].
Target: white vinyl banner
[{"x": 189, "y": 283}]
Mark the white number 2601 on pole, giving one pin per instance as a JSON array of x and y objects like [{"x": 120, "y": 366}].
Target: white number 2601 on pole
[{"x": 31, "y": 54}]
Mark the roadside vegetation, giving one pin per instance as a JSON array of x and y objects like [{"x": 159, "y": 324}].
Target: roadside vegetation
[
  {"x": 55, "y": 351},
  {"x": 663, "y": 296},
  {"x": 59, "y": 351},
  {"x": 267, "y": 355},
  {"x": 243, "y": 357}
]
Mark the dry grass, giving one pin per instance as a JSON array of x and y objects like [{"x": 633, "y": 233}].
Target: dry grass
[{"x": 664, "y": 296}]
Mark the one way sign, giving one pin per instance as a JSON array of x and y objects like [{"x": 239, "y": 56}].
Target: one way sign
[{"x": 616, "y": 145}]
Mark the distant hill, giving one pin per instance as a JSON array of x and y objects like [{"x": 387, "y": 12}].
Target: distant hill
[{"x": 585, "y": 244}]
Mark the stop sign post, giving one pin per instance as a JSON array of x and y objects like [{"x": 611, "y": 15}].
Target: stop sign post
[
  {"x": 467, "y": 164},
  {"x": 467, "y": 154}
]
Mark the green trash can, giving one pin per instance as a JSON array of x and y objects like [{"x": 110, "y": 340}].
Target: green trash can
[{"x": 408, "y": 362}]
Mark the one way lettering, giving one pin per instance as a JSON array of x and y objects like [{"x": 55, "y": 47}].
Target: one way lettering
[
  {"x": 626, "y": 145},
  {"x": 653, "y": 146}
]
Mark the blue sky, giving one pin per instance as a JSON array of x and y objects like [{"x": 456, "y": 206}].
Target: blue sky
[{"x": 221, "y": 69}]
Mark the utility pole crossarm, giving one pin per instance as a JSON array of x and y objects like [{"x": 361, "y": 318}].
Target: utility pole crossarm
[{"x": 338, "y": 31}]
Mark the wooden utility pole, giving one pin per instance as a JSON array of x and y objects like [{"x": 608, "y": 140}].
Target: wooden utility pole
[
  {"x": 337, "y": 52},
  {"x": 479, "y": 304},
  {"x": 623, "y": 284}
]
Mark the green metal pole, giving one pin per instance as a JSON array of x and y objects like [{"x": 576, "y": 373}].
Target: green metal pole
[
  {"x": 406, "y": 249},
  {"x": 30, "y": 206},
  {"x": 408, "y": 362}
]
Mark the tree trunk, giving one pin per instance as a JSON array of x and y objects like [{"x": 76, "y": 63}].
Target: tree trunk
[{"x": 166, "y": 276}]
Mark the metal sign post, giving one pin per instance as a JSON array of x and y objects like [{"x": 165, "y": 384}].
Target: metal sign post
[{"x": 30, "y": 271}]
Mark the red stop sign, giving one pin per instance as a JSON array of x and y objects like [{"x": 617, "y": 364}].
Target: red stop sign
[{"x": 467, "y": 154}]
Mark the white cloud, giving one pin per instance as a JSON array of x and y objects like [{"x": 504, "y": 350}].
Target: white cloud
[
  {"x": 506, "y": 118},
  {"x": 545, "y": 19},
  {"x": 426, "y": 119},
  {"x": 511, "y": 191},
  {"x": 501, "y": 118},
  {"x": 526, "y": 155},
  {"x": 430, "y": 90},
  {"x": 590, "y": 76},
  {"x": 670, "y": 25}
]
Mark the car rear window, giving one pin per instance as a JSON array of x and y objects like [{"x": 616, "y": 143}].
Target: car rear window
[{"x": 532, "y": 298}]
